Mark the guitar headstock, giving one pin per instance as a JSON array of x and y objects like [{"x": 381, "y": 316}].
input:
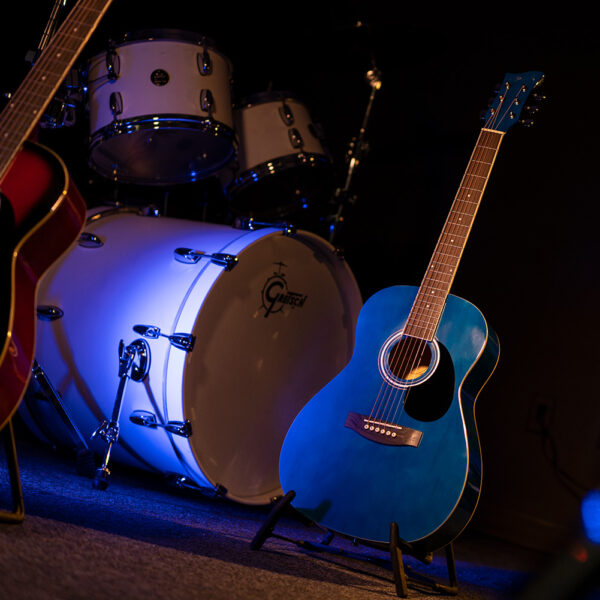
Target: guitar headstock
[{"x": 506, "y": 108}]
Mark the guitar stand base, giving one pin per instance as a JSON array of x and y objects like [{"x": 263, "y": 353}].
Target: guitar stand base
[
  {"x": 397, "y": 548},
  {"x": 18, "y": 512}
]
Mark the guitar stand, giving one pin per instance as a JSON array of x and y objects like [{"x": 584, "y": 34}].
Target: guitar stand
[
  {"x": 18, "y": 512},
  {"x": 397, "y": 548}
]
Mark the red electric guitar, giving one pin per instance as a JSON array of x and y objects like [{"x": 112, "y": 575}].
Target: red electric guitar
[{"x": 41, "y": 211}]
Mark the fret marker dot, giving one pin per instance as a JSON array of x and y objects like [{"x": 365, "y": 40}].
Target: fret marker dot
[{"x": 58, "y": 54}]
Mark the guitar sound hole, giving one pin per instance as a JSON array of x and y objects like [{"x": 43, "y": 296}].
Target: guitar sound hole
[{"x": 409, "y": 358}]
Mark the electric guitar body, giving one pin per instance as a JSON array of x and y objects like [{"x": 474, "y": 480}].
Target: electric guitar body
[
  {"x": 357, "y": 481},
  {"x": 41, "y": 214},
  {"x": 393, "y": 438}
]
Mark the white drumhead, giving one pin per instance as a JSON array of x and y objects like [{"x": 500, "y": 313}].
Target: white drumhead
[{"x": 271, "y": 333}]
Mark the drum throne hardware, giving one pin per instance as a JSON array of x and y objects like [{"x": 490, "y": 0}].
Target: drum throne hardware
[
  {"x": 283, "y": 169},
  {"x": 160, "y": 109},
  {"x": 244, "y": 326}
]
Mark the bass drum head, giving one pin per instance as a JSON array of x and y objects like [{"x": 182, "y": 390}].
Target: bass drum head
[{"x": 270, "y": 334}]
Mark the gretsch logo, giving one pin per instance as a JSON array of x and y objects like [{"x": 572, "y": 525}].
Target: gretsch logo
[{"x": 276, "y": 295}]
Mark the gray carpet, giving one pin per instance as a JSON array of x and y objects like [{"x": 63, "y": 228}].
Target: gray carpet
[{"x": 143, "y": 539}]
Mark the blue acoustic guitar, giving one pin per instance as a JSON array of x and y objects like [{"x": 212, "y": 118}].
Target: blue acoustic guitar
[{"x": 393, "y": 438}]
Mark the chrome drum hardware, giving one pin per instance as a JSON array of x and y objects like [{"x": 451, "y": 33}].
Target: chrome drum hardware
[{"x": 235, "y": 353}]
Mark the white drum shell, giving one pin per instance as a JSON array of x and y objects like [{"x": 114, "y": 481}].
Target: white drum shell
[
  {"x": 249, "y": 373},
  {"x": 165, "y": 133},
  {"x": 181, "y": 95},
  {"x": 264, "y": 136}
]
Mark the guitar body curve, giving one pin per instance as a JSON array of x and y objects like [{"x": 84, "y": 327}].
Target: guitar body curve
[
  {"x": 42, "y": 214},
  {"x": 356, "y": 486}
]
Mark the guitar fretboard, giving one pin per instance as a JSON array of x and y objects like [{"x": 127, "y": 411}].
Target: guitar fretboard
[
  {"x": 28, "y": 103},
  {"x": 435, "y": 287}
]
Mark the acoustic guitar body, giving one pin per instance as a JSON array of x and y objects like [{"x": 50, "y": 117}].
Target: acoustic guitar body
[
  {"x": 418, "y": 464},
  {"x": 41, "y": 214}
]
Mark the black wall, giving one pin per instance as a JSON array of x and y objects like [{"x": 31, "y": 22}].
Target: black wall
[{"x": 530, "y": 264}]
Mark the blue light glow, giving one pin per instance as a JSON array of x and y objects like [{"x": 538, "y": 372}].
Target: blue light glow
[{"x": 590, "y": 514}]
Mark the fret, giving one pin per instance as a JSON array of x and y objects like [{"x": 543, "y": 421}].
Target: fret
[
  {"x": 458, "y": 212},
  {"x": 426, "y": 333},
  {"x": 439, "y": 253},
  {"x": 441, "y": 280},
  {"x": 422, "y": 316}
]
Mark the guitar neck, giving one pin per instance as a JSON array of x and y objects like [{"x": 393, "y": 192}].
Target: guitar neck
[
  {"x": 431, "y": 298},
  {"x": 28, "y": 103}
]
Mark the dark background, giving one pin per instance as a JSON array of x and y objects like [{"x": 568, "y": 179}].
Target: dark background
[{"x": 530, "y": 264}]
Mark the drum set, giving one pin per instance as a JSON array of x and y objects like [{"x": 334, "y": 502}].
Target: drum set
[{"x": 180, "y": 346}]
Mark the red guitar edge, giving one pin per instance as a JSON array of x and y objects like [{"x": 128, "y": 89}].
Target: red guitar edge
[{"x": 43, "y": 243}]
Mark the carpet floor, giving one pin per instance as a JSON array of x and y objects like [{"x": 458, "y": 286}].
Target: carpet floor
[{"x": 141, "y": 538}]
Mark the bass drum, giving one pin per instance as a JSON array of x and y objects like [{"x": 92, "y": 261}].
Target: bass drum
[
  {"x": 160, "y": 109},
  {"x": 268, "y": 332},
  {"x": 283, "y": 169}
]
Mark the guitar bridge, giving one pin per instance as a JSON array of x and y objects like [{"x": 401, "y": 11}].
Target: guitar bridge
[{"x": 383, "y": 432}]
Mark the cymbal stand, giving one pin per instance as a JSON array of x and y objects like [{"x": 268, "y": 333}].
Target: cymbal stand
[
  {"x": 355, "y": 153},
  {"x": 108, "y": 430}
]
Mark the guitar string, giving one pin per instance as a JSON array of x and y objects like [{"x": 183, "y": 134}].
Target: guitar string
[
  {"x": 402, "y": 358},
  {"x": 486, "y": 138},
  {"x": 430, "y": 286},
  {"x": 446, "y": 247},
  {"x": 417, "y": 346},
  {"x": 17, "y": 124},
  {"x": 30, "y": 88}
]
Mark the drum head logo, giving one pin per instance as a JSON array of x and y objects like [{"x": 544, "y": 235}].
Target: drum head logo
[
  {"x": 276, "y": 297},
  {"x": 159, "y": 77}
]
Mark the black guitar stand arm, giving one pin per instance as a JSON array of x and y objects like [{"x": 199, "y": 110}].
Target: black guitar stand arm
[
  {"x": 396, "y": 547},
  {"x": 17, "y": 514}
]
